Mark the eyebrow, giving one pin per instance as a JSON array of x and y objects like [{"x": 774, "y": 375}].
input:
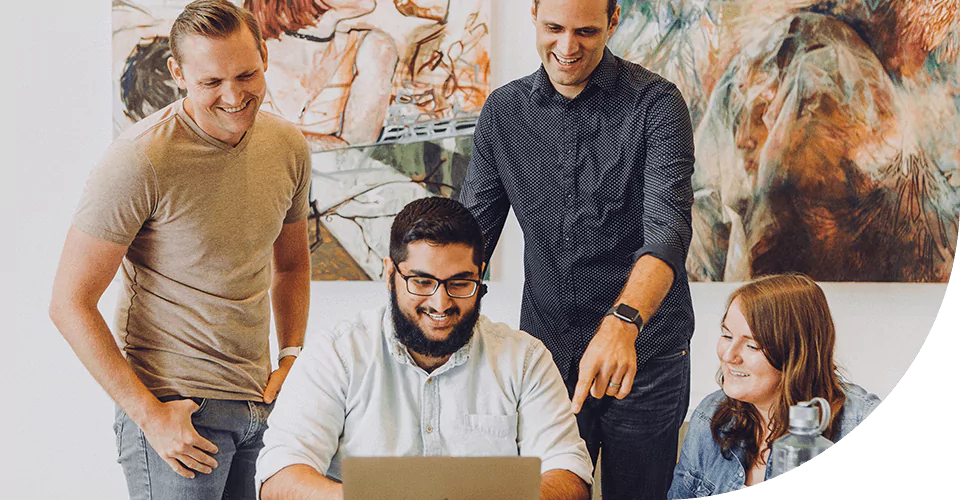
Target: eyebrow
[
  {"x": 554, "y": 24},
  {"x": 217, "y": 78},
  {"x": 723, "y": 326},
  {"x": 424, "y": 274}
]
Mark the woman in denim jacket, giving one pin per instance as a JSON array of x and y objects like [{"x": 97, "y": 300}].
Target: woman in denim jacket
[{"x": 775, "y": 349}]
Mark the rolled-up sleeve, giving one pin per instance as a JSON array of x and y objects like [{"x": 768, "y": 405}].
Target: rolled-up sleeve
[
  {"x": 667, "y": 189},
  {"x": 547, "y": 427},
  {"x": 307, "y": 421}
]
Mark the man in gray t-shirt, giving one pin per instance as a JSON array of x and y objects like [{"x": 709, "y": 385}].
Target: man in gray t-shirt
[{"x": 202, "y": 206}]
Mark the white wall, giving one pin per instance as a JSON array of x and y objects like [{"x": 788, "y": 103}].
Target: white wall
[{"x": 56, "y": 123}]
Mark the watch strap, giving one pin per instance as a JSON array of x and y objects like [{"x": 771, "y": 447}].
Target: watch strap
[{"x": 289, "y": 351}]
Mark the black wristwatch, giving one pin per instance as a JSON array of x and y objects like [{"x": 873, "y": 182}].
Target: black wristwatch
[{"x": 628, "y": 314}]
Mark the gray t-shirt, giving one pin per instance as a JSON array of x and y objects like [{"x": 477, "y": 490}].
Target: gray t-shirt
[{"x": 200, "y": 218}]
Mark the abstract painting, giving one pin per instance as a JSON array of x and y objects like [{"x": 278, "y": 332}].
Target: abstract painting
[
  {"x": 387, "y": 93},
  {"x": 826, "y": 132}
]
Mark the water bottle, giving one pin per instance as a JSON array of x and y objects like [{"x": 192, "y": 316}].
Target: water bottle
[{"x": 804, "y": 441}]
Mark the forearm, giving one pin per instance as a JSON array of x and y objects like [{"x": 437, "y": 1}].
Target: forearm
[
  {"x": 290, "y": 296},
  {"x": 647, "y": 285},
  {"x": 300, "y": 482},
  {"x": 560, "y": 484},
  {"x": 88, "y": 335}
]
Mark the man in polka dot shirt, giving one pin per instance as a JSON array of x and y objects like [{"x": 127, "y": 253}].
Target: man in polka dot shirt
[{"x": 595, "y": 155}]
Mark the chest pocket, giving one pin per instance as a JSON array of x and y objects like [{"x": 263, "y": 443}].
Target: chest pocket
[
  {"x": 488, "y": 435},
  {"x": 697, "y": 485}
]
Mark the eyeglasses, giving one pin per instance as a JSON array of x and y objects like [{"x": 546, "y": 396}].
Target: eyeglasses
[{"x": 458, "y": 288}]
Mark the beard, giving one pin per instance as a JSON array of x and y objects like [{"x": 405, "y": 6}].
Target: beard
[{"x": 412, "y": 336}]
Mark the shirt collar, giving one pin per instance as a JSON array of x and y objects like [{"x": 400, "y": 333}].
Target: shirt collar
[{"x": 604, "y": 76}]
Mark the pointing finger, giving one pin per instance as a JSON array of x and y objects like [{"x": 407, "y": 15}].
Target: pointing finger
[{"x": 580, "y": 394}]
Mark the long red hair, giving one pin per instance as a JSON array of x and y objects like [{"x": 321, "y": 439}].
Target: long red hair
[{"x": 790, "y": 320}]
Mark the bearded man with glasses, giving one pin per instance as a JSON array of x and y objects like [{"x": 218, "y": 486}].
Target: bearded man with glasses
[{"x": 428, "y": 375}]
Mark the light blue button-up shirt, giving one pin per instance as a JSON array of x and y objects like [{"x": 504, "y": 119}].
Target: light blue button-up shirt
[{"x": 355, "y": 391}]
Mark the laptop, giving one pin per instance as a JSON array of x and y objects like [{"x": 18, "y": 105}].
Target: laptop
[{"x": 441, "y": 478}]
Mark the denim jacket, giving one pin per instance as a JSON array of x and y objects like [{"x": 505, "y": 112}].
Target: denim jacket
[{"x": 702, "y": 470}]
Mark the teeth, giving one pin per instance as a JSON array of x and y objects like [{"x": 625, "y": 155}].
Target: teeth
[
  {"x": 738, "y": 374},
  {"x": 236, "y": 109},
  {"x": 566, "y": 61},
  {"x": 438, "y": 317}
]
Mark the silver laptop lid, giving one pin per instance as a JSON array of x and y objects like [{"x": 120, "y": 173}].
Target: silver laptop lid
[{"x": 441, "y": 478}]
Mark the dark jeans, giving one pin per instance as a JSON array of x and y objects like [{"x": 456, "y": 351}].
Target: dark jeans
[
  {"x": 236, "y": 427},
  {"x": 638, "y": 434}
]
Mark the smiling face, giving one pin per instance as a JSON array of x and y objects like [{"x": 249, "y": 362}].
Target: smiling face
[
  {"x": 224, "y": 81},
  {"x": 435, "y": 325},
  {"x": 571, "y": 35},
  {"x": 747, "y": 374}
]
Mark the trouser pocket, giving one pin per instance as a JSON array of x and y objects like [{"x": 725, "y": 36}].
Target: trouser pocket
[{"x": 118, "y": 418}]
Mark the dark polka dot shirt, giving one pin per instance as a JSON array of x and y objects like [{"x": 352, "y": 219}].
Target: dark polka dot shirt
[{"x": 596, "y": 182}]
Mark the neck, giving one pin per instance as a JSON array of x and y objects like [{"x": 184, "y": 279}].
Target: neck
[
  {"x": 764, "y": 412},
  {"x": 188, "y": 109},
  {"x": 428, "y": 363},
  {"x": 570, "y": 91}
]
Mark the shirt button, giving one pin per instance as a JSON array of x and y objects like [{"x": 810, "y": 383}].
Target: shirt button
[
  {"x": 429, "y": 428},
  {"x": 430, "y": 380}
]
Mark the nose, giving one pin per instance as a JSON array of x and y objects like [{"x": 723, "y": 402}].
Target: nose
[
  {"x": 567, "y": 44},
  {"x": 440, "y": 301},
  {"x": 731, "y": 354},
  {"x": 231, "y": 93}
]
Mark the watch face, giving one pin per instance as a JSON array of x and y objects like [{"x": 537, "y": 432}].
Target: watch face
[{"x": 626, "y": 313}]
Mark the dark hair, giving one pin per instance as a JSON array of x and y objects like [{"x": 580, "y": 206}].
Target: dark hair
[
  {"x": 790, "y": 320},
  {"x": 611, "y": 6},
  {"x": 279, "y": 16},
  {"x": 439, "y": 221},
  {"x": 214, "y": 19}
]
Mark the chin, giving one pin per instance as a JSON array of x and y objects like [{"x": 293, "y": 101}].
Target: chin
[{"x": 435, "y": 335}]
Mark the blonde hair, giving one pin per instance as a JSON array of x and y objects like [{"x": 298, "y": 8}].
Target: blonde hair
[{"x": 214, "y": 19}]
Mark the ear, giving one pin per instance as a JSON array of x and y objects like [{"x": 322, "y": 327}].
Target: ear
[
  {"x": 387, "y": 268},
  {"x": 533, "y": 13},
  {"x": 176, "y": 72},
  {"x": 614, "y": 22},
  {"x": 483, "y": 269},
  {"x": 263, "y": 54}
]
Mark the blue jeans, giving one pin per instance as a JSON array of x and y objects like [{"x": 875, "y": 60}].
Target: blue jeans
[
  {"x": 236, "y": 427},
  {"x": 638, "y": 434}
]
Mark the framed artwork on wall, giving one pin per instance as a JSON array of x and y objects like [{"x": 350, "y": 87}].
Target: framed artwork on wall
[
  {"x": 387, "y": 93},
  {"x": 826, "y": 132}
]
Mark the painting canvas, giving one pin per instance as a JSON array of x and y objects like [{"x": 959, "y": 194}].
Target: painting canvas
[
  {"x": 387, "y": 93},
  {"x": 826, "y": 132}
]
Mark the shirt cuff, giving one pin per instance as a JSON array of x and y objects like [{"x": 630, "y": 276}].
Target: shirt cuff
[
  {"x": 667, "y": 254},
  {"x": 576, "y": 464},
  {"x": 270, "y": 464}
]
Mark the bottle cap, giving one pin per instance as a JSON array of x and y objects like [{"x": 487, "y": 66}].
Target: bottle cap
[{"x": 805, "y": 415}]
